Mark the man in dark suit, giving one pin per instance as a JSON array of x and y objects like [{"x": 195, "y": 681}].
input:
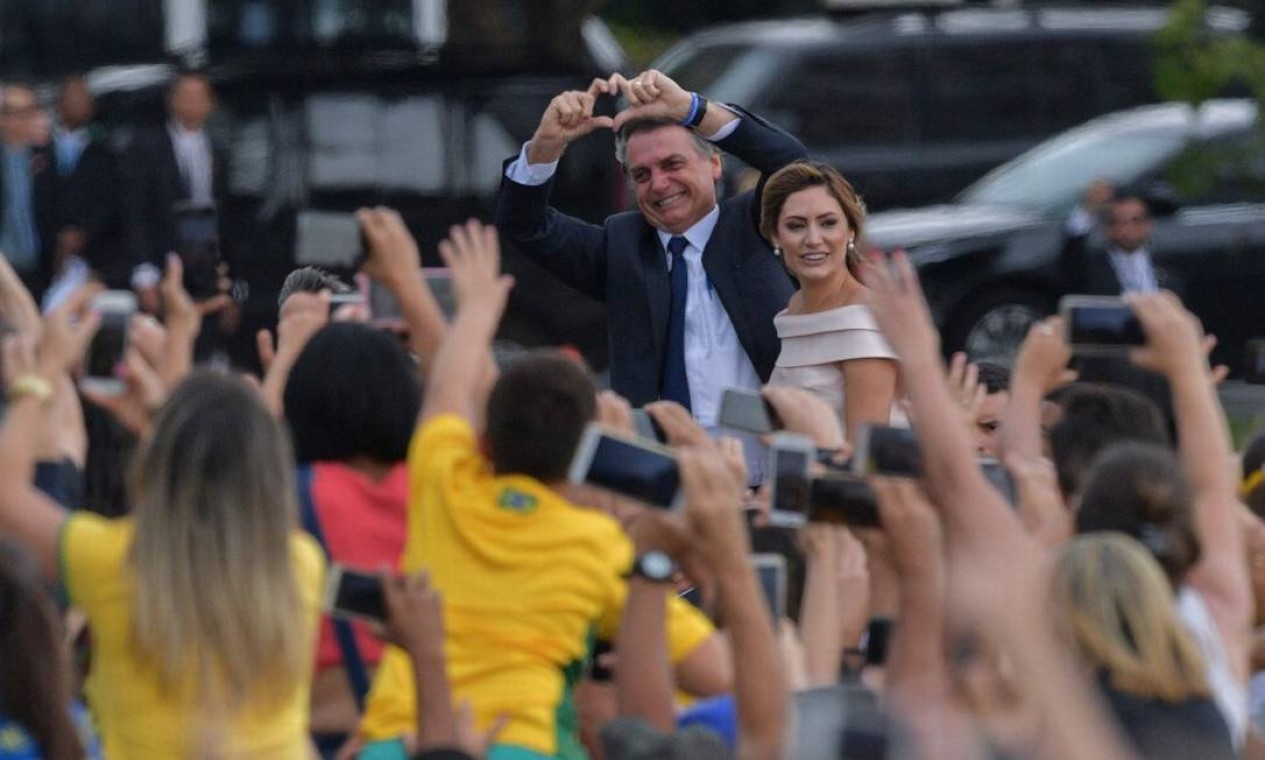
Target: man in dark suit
[
  {"x": 21, "y": 130},
  {"x": 169, "y": 166},
  {"x": 77, "y": 206},
  {"x": 690, "y": 286}
]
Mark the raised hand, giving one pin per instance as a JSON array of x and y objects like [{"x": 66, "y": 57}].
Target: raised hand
[
  {"x": 1174, "y": 337},
  {"x": 651, "y": 95},
  {"x": 803, "y": 413},
  {"x": 1043, "y": 356},
  {"x": 899, "y": 307},
  {"x": 473, "y": 256},
  {"x": 569, "y": 117},
  {"x": 393, "y": 257},
  {"x": 67, "y": 331}
]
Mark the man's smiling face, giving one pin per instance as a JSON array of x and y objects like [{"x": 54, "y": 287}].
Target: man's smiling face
[{"x": 675, "y": 185}]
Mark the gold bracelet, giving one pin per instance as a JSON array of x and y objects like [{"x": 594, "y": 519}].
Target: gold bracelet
[{"x": 31, "y": 385}]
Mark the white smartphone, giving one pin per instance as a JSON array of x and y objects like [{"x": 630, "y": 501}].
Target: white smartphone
[
  {"x": 354, "y": 594},
  {"x": 790, "y": 459},
  {"x": 105, "y": 354},
  {"x": 770, "y": 570},
  {"x": 632, "y": 467}
]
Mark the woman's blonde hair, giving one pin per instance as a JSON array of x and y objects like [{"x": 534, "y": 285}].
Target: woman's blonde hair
[
  {"x": 218, "y": 611},
  {"x": 802, "y": 175},
  {"x": 1123, "y": 619}
]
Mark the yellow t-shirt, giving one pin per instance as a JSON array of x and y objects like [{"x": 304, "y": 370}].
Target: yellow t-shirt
[
  {"x": 526, "y": 577},
  {"x": 136, "y": 718}
]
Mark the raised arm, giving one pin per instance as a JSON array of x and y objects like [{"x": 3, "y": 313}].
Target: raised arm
[
  {"x": 1175, "y": 349},
  {"x": 473, "y": 256},
  {"x": 1040, "y": 367},
  {"x": 395, "y": 262}
]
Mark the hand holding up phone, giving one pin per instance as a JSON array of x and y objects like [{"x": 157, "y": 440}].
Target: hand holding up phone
[
  {"x": 1174, "y": 337},
  {"x": 415, "y": 614}
]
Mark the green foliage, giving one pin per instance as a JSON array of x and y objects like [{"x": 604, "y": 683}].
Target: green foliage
[{"x": 1192, "y": 65}]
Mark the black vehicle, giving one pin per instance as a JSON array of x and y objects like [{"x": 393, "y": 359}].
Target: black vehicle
[
  {"x": 990, "y": 260},
  {"x": 915, "y": 106}
]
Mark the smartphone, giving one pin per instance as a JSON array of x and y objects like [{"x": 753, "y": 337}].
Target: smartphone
[
  {"x": 631, "y": 467},
  {"x": 743, "y": 409},
  {"x": 843, "y": 499},
  {"x": 790, "y": 459},
  {"x": 1000, "y": 478},
  {"x": 339, "y": 300},
  {"x": 647, "y": 427},
  {"x": 770, "y": 570},
  {"x": 105, "y": 354},
  {"x": 883, "y": 450},
  {"x": 197, "y": 243},
  {"x": 330, "y": 240},
  {"x": 356, "y": 594},
  {"x": 876, "y": 641},
  {"x": 1100, "y": 325}
]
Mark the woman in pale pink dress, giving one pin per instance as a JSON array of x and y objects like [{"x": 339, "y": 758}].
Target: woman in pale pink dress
[{"x": 830, "y": 344}]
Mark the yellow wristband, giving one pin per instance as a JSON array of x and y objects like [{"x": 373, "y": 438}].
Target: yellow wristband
[
  {"x": 1250, "y": 483},
  {"x": 31, "y": 385}
]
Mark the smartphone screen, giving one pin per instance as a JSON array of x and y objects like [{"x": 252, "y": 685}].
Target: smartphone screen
[
  {"x": 105, "y": 353},
  {"x": 197, "y": 243},
  {"x": 876, "y": 641},
  {"x": 789, "y": 464},
  {"x": 742, "y": 409},
  {"x": 1102, "y": 323},
  {"x": 357, "y": 594},
  {"x": 770, "y": 570},
  {"x": 639, "y": 471},
  {"x": 845, "y": 500},
  {"x": 883, "y": 450}
]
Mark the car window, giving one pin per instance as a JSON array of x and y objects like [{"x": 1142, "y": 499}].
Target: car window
[
  {"x": 862, "y": 98},
  {"x": 1064, "y": 81},
  {"x": 1052, "y": 177},
  {"x": 732, "y": 73},
  {"x": 1226, "y": 170},
  {"x": 981, "y": 90}
]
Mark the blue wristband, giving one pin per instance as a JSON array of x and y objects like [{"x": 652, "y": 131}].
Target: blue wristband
[{"x": 694, "y": 102}]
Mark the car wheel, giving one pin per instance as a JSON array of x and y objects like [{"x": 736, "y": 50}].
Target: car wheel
[{"x": 992, "y": 327}]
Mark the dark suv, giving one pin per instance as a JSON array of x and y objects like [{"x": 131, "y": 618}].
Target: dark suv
[
  {"x": 913, "y": 107},
  {"x": 990, "y": 261}
]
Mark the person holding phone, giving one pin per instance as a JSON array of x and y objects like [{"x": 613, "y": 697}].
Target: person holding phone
[
  {"x": 830, "y": 344},
  {"x": 203, "y": 601}
]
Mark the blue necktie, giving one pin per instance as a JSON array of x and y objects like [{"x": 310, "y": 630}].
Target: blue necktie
[{"x": 676, "y": 384}]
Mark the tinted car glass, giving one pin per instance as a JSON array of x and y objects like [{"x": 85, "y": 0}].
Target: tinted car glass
[
  {"x": 1051, "y": 178},
  {"x": 868, "y": 96},
  {"x": 51, "y": 38},
  {"x": 980, "y": 89}
]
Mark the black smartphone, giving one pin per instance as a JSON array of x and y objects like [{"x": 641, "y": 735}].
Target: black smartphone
[
  {"x": 876, "y": 641},
  {"x": 747, "y": 410},
  {"x": 631, "y": 467},
  {"x": 354, "y": 594},
  {"x": 883, "y": 450},
  {"x": 197, "y": 243},
  {"x": 328, "y": 239},
  {"x": 598, "y": 671},
  {"x": 647, "y": 426},
  {"x": 790, "y": 459},
  {"x": 770, "y": 570},
  {"x": 105, "y": 353},
  {"x": 1100, "y": 325},
  {"x": 843, "y": 499}
]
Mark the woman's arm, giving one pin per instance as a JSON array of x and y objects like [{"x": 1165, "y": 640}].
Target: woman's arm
[{"x": 869, "y": 387}]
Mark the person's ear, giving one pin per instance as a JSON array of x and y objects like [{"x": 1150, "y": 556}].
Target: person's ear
[{"x": 717, "y": 166}]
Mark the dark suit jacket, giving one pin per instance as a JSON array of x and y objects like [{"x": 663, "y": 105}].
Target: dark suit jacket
[
  {"x": 621, "y": 262},
  {"x": 89, "y": 198},
  {"x": 154, "y": 186}
]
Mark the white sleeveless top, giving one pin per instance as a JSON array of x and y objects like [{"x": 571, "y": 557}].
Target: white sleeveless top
[
  {"x": 1230, "y": 695},
  {"x": 814, "y": 344}
]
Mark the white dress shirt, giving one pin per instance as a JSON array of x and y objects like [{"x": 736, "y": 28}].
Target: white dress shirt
[
  {"x": 193, "y": 156},
  {"x": 1134, "y": 270}
]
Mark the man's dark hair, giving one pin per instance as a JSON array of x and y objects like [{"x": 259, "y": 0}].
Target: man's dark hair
[
  {"x": 993, "y": 376},
  {"x": 1095, "y": 416},
  {"x": 310, "y": 280},
  {"x": 185, "y": 74},
  {"x": 1128, "y": 193},
  {"x": 536, "y": 413},
  {"x": 1140, "y": 489},
  {"x": 353, "y": 391},
  {"x": 650, "y": 124}
]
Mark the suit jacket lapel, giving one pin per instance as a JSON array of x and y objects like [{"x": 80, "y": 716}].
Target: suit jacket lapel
[
  {"x": 654, "y": 264},
  {"x": 722, "y": 261}
]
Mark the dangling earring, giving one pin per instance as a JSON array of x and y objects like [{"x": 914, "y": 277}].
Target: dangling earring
[
  {"x": 852, "y": 246},
  {"x": 777, "y": 252}
]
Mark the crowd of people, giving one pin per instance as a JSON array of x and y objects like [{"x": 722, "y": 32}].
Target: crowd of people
[{"x": 1107, "y": 604}]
